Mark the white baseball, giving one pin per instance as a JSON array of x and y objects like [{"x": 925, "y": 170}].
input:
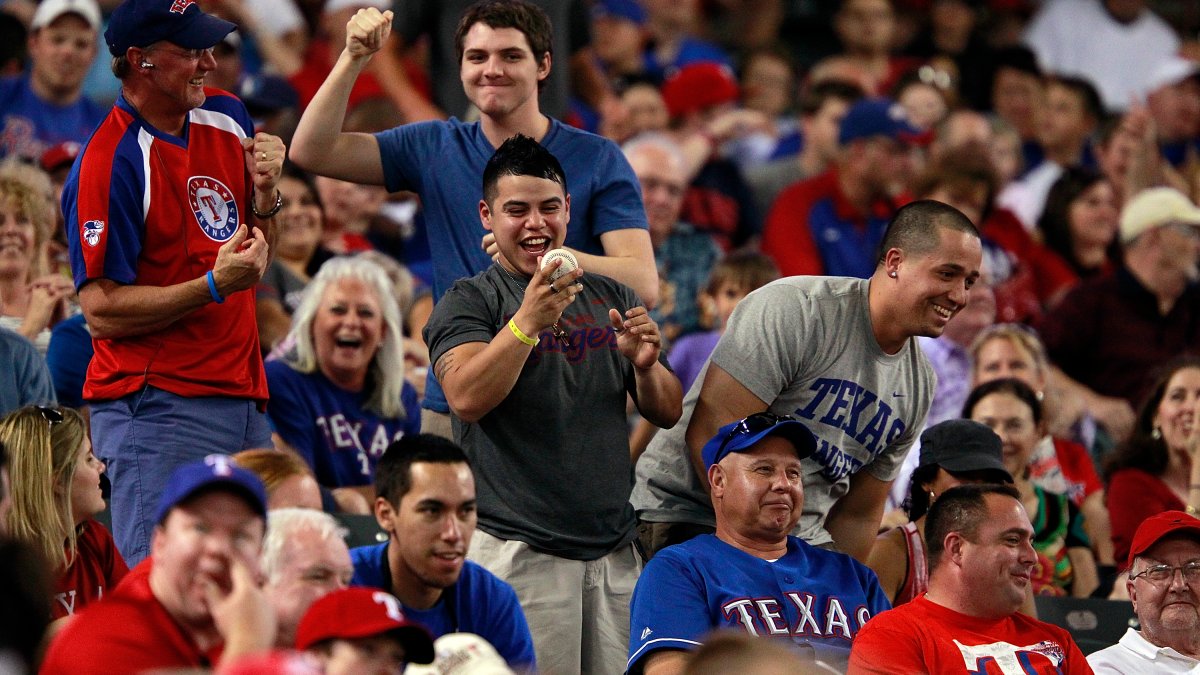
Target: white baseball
[{"x": 569, "y": 263}]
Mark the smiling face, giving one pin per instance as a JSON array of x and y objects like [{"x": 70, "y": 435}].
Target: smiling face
[
  {"x": 195, "y": 544},
  {"x": 311, "y": 567},
  {"x": 529, "y": 217},
  {"x": 499, "y": 72},
  {"x": 177, "y": 78},
  {"x": 1092, "y": 217},
  {"x": 299, "y": 221},
  {"x": 18, "y": 240},
  {"x": 61, "y": 54},
  {"x": 86, "y": 499},
  {"x": 1175, "y": 416},
  {"x": 931, "y": 288},
  {"x": 661, "y": 175},
  {"x": 346, "y": 332},
  {"x": 1168, "y": 610},
  {"x": 997, "y": 561},
  {"x": 432, "y": 527},
  {"x": 758, "y": 493},
  {"x": 1012, "y": 420}
]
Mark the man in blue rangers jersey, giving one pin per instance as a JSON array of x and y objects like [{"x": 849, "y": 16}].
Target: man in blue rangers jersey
[{"x": 751, "y": 575}]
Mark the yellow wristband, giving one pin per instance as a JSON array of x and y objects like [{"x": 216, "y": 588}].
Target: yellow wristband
[{"x": 512, "y": 325}]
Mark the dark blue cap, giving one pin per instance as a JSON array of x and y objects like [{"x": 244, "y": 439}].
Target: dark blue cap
[
  {"x": 741, "y": 435},
  {"x": 141, "y": 23},
  {"x": 878, "y": 117},
  {"x": 629, "y": 10},
  {"x": 214, "y": 471}
]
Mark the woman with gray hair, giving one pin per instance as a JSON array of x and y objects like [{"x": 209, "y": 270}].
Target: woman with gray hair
[{"x": 338, "y": 394}]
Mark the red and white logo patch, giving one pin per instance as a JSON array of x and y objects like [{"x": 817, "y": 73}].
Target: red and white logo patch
[
  {"x": 214, "y": 207},
  {"x": 180, "y": 6}
]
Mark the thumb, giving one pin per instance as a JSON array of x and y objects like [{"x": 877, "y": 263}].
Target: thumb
[
  {"x": 248, "y": 143},
  {"x": 614, "y": 318},
  {"x": 239, "y": 235}
]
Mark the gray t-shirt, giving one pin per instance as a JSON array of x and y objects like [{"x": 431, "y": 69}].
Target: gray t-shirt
[
  {"x": 804, "y": 345},
  {"x": 551, "y": 460}
]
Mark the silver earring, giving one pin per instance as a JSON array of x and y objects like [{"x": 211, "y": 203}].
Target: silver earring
[
  {"x": 892, "y": 275},
  {"x": 1156, "y": 434}
]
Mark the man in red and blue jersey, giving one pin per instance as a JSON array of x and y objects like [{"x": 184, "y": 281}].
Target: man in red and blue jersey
[{"x": 167, "y": 211}]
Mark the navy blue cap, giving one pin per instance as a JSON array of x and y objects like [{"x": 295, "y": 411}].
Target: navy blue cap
[
  {"x": 741, "y": 435},
  {"x": 629, "y": 10},
  {"x": 212, "y": 471},
  {"x": 141, "y": 23},
  {"x": 878, "y": 117}
]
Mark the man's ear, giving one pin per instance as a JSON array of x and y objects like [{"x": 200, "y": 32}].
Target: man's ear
[
  {"x": 716, "y": 479},
  {"x": 543, "y": 70},
  {"x": 485, "y": 214},
  {"x": 953, "y": 547},
  {"x": 385, "y": 515},
  {"x": 892, "y": 260}
]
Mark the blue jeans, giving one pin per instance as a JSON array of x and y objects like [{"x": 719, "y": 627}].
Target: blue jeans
[{"x": 145, "y": 436}]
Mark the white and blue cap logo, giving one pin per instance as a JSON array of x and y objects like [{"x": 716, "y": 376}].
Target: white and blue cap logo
[{"x": 214, "y": 207}]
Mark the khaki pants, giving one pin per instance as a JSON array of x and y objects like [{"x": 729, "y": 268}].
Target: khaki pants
[
  {"x": 578, "y": 611},
  {"x": 436, "y": 423}
]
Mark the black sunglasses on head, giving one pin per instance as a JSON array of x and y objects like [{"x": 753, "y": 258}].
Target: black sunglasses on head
[
  {"x": 51, "y": 415},
  {"x": 754, "y": 424}
]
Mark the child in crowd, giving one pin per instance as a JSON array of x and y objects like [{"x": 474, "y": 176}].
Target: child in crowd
[{"x": 733, "y": 278}]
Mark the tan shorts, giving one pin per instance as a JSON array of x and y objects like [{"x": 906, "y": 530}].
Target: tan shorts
[{"x": 578, "y": 611}]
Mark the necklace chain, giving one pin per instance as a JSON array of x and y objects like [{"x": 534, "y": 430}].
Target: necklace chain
[{"x": 561, "y": 335}]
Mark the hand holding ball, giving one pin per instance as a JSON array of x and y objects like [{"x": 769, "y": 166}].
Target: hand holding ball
[{"x": 569, "y": 263}]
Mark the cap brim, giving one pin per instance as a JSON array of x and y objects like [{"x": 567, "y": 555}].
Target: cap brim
[{"x": 202, "y": 32}]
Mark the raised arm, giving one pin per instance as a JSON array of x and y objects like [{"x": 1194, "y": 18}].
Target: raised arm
[
  {"x": 114, "y": 310},
  {"x": 319, "y": 144},
  {"x": 477, "y": 376}
]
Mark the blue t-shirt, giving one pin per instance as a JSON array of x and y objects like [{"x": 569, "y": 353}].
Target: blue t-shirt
[
  {"x": 331, "y": 427},
  {"x": 31, "y": 126},
  {"x": 479, "y": 602},
  {"x": 24, "y": 378},
  {"x": 68, "y": 357},
  {"x": 443, "y": 162},
  {"x": 810, "y": 596}
]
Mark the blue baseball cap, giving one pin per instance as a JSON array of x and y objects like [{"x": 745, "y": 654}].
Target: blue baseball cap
[
  {"x": 630, "y": 10},
  {"x": 214, "y": 471},
  {"x": 741, "y": 435},
  {"x": 141, "y": 23},
  {"x": 871, "y": 117}
]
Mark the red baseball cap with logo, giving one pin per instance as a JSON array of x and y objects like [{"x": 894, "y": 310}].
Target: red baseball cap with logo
[
  {"x": 1155, "y": 528},
  {"x": 362, "y": 612}
]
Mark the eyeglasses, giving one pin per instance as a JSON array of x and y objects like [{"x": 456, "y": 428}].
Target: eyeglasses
[
  {"x": 754, "y": 424},
  {"x": 1160, "y": 573},
  {"x": 51, "y": 415},
  {"x": 189, "y": 54}
]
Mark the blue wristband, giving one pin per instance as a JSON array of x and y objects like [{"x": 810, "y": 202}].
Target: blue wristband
[{"x": 212, "y": 288}]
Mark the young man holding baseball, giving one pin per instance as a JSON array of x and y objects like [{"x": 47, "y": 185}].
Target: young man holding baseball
[{"x": 536, "y": 369}]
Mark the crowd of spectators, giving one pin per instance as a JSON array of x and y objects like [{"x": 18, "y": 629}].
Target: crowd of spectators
[{"x": 259, "y": 256}]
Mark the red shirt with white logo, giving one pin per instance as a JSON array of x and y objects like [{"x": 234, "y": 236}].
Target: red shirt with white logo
[{"x": 148, "y": 208}]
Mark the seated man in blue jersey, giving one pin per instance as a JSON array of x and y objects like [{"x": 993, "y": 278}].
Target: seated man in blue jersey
[
  {"x": 751, "y": 575},
  {"x": 426, "y": 502}
]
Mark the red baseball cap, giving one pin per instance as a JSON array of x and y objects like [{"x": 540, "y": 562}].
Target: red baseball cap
[
  {"x": 700, "y": 85},
  {"x": 359, "y": 613},
  {"x": 1156, "y": 527}
]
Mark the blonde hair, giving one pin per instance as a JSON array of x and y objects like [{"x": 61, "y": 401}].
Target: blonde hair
[
  {"x": 27, "y": 197},
  {"x": 1021, "y": 337},
  {"x": 386, "y": 372},
  {"x": 42, "y": 455}
]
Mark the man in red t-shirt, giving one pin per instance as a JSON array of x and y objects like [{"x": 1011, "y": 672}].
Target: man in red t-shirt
[
  {"x": 980, "y": 558},
  {"x": 194, "y": 603}
]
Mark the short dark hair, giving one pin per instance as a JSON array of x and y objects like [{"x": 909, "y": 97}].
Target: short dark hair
[
  {"x": 524, "y": 16},
  {"x": 1005, "y": 385},
  {"x": 520, "y": 155},
  {"x": 393, "y": 473},
  {"x": 959, "y": 509},
  {"x": 749, "y": 269},
  {"x": 1089, "y": 96},
  {"x": 915, "y": 227}
]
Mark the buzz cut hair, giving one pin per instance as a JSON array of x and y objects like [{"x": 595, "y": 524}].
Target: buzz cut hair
[
  {"x": 520, "y": 155},
  {"x": 916, "y": 227},
  {"x": 961, "y": 509}
]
